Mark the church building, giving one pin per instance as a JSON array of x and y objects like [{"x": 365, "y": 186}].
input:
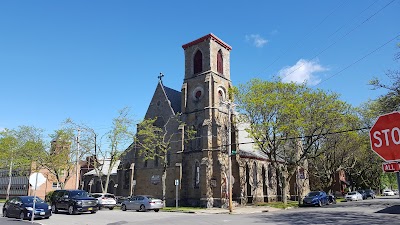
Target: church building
[{"x": 200, "y": 167}]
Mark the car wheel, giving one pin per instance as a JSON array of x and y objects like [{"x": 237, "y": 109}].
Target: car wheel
[
  {"x": 93, "y": 212},
  {"x": 156, "y": 210},
  {"x": 47, "y": 217},
  {"x": 99, "y": 207},
  {"x": 111, "y": 208},
  {"x": 71, "y": 210},
  {"x": 142, "y": 208},
  {"x": 54, "y": 209},
  {"x": 123, "y": 207},
  {"x": 22, "y": 215}
]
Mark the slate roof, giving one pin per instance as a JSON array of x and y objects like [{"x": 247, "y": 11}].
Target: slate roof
[
  {"x": 174, "y": 97},
  {"x": 246, "y": 145},
  {"x": 104, "y": 168}
]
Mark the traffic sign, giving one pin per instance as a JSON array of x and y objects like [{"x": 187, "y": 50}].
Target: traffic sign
[
  {"x": 391, "y": 167},
  {"x": 385, "y": 136},
  {"x": 36, "y": 180}
]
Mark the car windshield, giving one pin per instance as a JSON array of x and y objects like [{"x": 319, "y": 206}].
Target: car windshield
[
  {"x": 79, "y": 194},
  {"x": 30, "y": 200},
  {"x": 109, "y": 196},
  {"x": 312, "y": 194},
  {"x": 351, "y": 193}
]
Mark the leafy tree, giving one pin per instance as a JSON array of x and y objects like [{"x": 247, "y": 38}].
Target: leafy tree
[
  {"x": 154, "y": 141},
  {"x": 116, "y": 139},
  {"x": 288, "y": 122},
  {"x": 18, "y": 147},
  {"x": 60, "y": 158}
]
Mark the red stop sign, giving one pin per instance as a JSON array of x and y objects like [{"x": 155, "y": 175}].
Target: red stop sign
[{"x": 385, "y": 136}]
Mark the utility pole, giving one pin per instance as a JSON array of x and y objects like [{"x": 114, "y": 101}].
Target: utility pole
[{"x": 77, "y": 160}]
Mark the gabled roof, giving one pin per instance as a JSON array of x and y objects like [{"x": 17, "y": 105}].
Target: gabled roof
[
  {"x": 174, "y": 97},
  {"x": 210, "y": 35},
  {"x": 247, "y": 148}
]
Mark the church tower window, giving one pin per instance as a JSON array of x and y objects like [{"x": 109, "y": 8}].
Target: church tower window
[
  {"x": 197, "y": 175},
  {"x": 220, "y": 63},
  {"x": 198, "y": 62}
]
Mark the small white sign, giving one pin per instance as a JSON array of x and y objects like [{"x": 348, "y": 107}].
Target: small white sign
[
  {"x": 36, "y": 179},
  {"x": 176, "y": 182}
]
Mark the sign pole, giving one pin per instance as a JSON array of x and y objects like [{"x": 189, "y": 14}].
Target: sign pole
[
  {"x": 398, "y": 181},
  {"x": 176, "y": 192},
  {"x": 34, "y": 199}
]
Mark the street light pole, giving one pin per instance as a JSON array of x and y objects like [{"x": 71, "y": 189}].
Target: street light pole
[{"x": 77, "y": 160}]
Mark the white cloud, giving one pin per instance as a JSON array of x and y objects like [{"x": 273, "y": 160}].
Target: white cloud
[
  {"x": 302, "y": 72},
  {"x": 257, "y": 40}
]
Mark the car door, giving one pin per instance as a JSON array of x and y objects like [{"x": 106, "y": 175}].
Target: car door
[
  {"x": 11, "y": 207},
  {"x": 62, "y": 201},
  {"x": 17, "y": 207},
  {"x": 130, "y": 203}
]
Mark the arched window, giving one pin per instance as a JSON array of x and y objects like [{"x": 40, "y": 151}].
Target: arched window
[
  {"x": 198, "y": 62},
  {"x": 197, "y": 175},
  {"x": 220, "y": 62}
]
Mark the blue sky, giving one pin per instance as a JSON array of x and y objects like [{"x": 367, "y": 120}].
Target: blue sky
[{"x": 88, "y": 59}]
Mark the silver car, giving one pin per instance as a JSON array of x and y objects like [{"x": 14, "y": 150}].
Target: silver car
[{"x": 142, "y": 203}]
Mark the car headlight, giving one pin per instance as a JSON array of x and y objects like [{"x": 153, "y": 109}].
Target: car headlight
[
  {"x": 29, "y": 208},
  {"x": 79, "y": 202}
]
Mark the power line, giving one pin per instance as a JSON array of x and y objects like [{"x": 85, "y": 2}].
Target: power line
[
  {"x": 345, "y": 35},
  {"x": 355, "y": 62},
  {"x": 305, "y": 36}
]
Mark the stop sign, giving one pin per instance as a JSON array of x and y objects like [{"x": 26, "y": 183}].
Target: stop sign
[{"x": 385, "y": 136}]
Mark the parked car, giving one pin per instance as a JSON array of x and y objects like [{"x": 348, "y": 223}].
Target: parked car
[
  {"x": 353, "y": 196},
  {"x": 370, "y": 193},
  {"x": 318, "y": 198},
  {"x": 363, "y": 194},
  {"x": 388, "y": 192},
  {"x": 142, "y": 203},
  {"x": 22, "y": 207},
  {"x": 73, "y": 201},
  {"x": 105, "y": 200}
]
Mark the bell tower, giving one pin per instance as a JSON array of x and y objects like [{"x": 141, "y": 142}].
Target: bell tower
[{"x": 205, "y": 88}]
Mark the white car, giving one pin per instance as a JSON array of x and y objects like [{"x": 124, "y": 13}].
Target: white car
[
  {"x": 353, "y": 196},
  {"x": 106, "y": 200},
  {"x": 387, "y": 193}
]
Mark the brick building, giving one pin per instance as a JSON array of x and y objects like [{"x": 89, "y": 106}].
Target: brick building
[{"x": 200, "y": 165}]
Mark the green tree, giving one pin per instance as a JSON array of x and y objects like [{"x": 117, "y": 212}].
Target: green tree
[
  {"x": 18, "y": 148},
  {"x": 288, "y": 122},
  {"x": 111, "y": 146},
  {"x": 154, "y": 141}
]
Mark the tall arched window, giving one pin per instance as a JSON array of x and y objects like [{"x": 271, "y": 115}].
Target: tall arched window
[
  {"x": 198, "y": 62},
  {"x": 197, "y": 175},
  {"x": 220, "y": 62}
]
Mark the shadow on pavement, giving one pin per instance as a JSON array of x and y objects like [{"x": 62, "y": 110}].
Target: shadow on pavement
[
  {"x": 325, "y": 218},
  {"x": 395, "y": 209}
]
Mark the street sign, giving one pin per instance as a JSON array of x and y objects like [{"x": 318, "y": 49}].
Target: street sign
[
  {"x": 385, "y": 136},
  {"x": 36, "y": 180},
  {"x": 176, "y": 182},
  {"x": 391, "y": 167}
]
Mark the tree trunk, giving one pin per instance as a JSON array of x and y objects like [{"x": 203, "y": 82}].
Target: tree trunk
[{"x": 164, "y": 177}]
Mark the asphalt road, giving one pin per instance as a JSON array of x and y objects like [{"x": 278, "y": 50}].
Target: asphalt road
[{"x": 385, "y": 210}]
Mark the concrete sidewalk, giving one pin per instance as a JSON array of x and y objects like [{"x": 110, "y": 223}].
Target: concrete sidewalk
[{"x": 236, "y": 210}]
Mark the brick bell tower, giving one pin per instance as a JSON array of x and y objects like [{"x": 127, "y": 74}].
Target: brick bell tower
[{"x": 205, "y": 88}]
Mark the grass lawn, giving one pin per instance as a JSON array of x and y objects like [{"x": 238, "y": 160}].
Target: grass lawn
[
  {"x": 181, "y": 209},
  {"x": 2, "y": 200},
  {"x": 280, "y": 205}
]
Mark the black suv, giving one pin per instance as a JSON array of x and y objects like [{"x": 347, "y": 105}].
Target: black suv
[{"x": 73, "y": 200}]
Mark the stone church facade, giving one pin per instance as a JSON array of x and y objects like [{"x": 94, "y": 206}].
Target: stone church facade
[{"x": 200, "y": 165}]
